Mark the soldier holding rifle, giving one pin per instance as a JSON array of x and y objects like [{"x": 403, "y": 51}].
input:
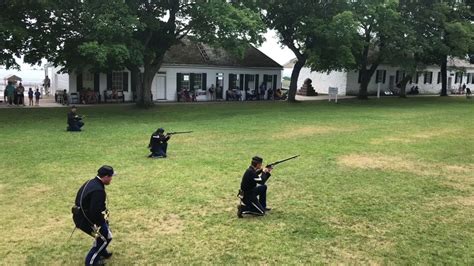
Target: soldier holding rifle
[
  {"x": 159, "y": 142},
  {"x": 253, "y": 190}
]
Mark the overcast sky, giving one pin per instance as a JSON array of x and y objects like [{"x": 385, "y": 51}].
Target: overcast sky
[{"x": 273, "y": 49}]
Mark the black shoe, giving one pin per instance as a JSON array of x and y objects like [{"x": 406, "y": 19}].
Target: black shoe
[
  {"x": 239, "y": 211},
  {"x": 106, "y": 255},
  {"x": 268, "y": 209}
]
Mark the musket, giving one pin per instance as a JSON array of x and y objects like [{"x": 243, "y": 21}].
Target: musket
[
  {"x": 271, "y": 165},
  {"x": 178, "y": 132}
]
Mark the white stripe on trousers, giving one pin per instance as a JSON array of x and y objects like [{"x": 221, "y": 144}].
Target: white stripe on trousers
[
  {"x": 257, "y": 208},
  {"x": 100, "y": 249}
]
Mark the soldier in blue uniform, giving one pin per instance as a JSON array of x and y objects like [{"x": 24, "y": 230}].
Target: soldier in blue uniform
[
  {"x": 74, "y": 121},
  {"x": 253, "y": 191},
  {"x": 158, "y": 144},
  {"x": 90, "y": 214}
]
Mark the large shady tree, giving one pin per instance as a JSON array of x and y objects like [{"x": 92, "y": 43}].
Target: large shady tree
[
  {"x": 136, "y": 34},
  {"x": 382, "y": 37},
  {"x": 14, "y": 21},
  {"x": 444, "y": 29},
  {"x": 308, "y": 28}
]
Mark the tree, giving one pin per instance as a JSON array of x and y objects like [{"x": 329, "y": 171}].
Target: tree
[
  {"x": 444, "y": 29},
  {"x": 302, "y": 26},
  {"x": 136, "y": 34},
  {"x": 382, "y": 37},
  {"x": 13, "y": 30}
]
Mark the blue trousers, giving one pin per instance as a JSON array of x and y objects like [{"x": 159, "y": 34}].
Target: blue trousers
[
  {"x": 161, "y": 151},
  {"x": 75, "y": 127},
  {"x": 100, "y": 245},
  {"x": 256, "y": 201}
]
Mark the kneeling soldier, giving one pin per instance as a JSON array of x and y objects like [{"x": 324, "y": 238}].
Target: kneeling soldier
[
  {"x": 74, "y": 121},
  {"x": 158, "y": 144},
  {"x": 253, "y": 191},
  {"x": 90, "y": 214}
]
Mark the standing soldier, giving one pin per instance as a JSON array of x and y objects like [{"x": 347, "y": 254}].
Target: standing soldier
[
  {"x": 90, "y": 214},
  {"x": 158, "y": 144},
  {"x": 253, "y": 191}
]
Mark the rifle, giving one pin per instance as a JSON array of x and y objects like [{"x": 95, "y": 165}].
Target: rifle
[
  {"x": 271, "y": 165},
  {"x": 178, "y": 132}
]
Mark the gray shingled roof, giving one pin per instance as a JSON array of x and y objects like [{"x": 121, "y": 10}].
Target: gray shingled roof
[{"x": 192, "y": 53}]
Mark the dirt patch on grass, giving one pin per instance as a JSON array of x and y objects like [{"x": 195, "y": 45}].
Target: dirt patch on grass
[
  {"x": 458, "y": 201},
  {"x": 407, "y": 164},
  {"x": 379, "y": 161},
  {"x": 414, "y": 137},
  {"x": 151, "y": 222},
  {"x": 35, "y": 193},
  {"x": 457, "y": 176},
  {"x": 306, "y": 131},
  {"x": 36, "y": 190},
  {"x": 171, "y": 224}
]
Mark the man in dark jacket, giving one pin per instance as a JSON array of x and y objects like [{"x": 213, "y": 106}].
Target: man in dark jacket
[
  {"x": 253, "y": 191},
  {"x": 90, "y": 214},
  {"x": 74, "y": 121},
  {"x": 158, "y": 144}
]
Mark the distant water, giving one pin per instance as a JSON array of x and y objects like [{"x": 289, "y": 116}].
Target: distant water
[{"x": 30, "y": 77}]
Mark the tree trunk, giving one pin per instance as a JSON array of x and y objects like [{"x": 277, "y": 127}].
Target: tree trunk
[
  {"x": 363, "y": 89},
  {"x": 294, "y": 79},
  {"x": 144, "y": 97},
  {"x": 366, "y": 75},
  {"x": 136, "y": 80},
  {"x": 444, "y": 76},
  {"x": 403, "y": 86}
]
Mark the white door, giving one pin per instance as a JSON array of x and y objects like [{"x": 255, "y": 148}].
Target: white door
[{"x": 159, "y": 91}]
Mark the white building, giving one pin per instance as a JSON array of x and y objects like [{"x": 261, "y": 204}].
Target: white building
[
  {"x": 428, "y": 80},
  {"x": 191, "y": 66}
]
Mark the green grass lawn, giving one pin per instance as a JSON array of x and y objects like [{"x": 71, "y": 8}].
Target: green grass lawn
[{"x": 389, "y": 181}]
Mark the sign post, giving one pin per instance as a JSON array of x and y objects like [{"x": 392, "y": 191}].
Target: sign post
[{"x": 332, "y": 92}]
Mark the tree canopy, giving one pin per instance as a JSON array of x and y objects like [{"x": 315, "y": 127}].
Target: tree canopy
[{"x": 135, "y": 34}]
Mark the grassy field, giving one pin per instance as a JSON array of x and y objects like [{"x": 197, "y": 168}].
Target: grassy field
[{"x": 380, "y": 182}]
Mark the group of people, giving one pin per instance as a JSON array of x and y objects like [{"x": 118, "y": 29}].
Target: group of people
[
  {"x": 215, "y": 92},
  {"x": 463, "y": 89},
  {"x": 186, "y": 95},
  {"x": 90, "y": 212},
  {"x": 414, "y": 90},
  {"x": 16, "y": 95},
  {"x": 234, "y": 94}
]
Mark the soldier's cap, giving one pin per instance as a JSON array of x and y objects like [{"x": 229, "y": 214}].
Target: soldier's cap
[
  {"x": 257, "y": 159},
  {"x": 106, "y": 170},
  {"x": 160, "y": 130}
]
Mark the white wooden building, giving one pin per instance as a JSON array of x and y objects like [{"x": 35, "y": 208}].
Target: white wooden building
[
  {"x": 428, "y": 80},
  {"x": 191, "y": 66}
]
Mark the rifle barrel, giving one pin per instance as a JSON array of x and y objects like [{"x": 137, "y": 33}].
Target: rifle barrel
[
  {"x": 284, "y": 160},
  {"x": 179, "y": 132}
]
